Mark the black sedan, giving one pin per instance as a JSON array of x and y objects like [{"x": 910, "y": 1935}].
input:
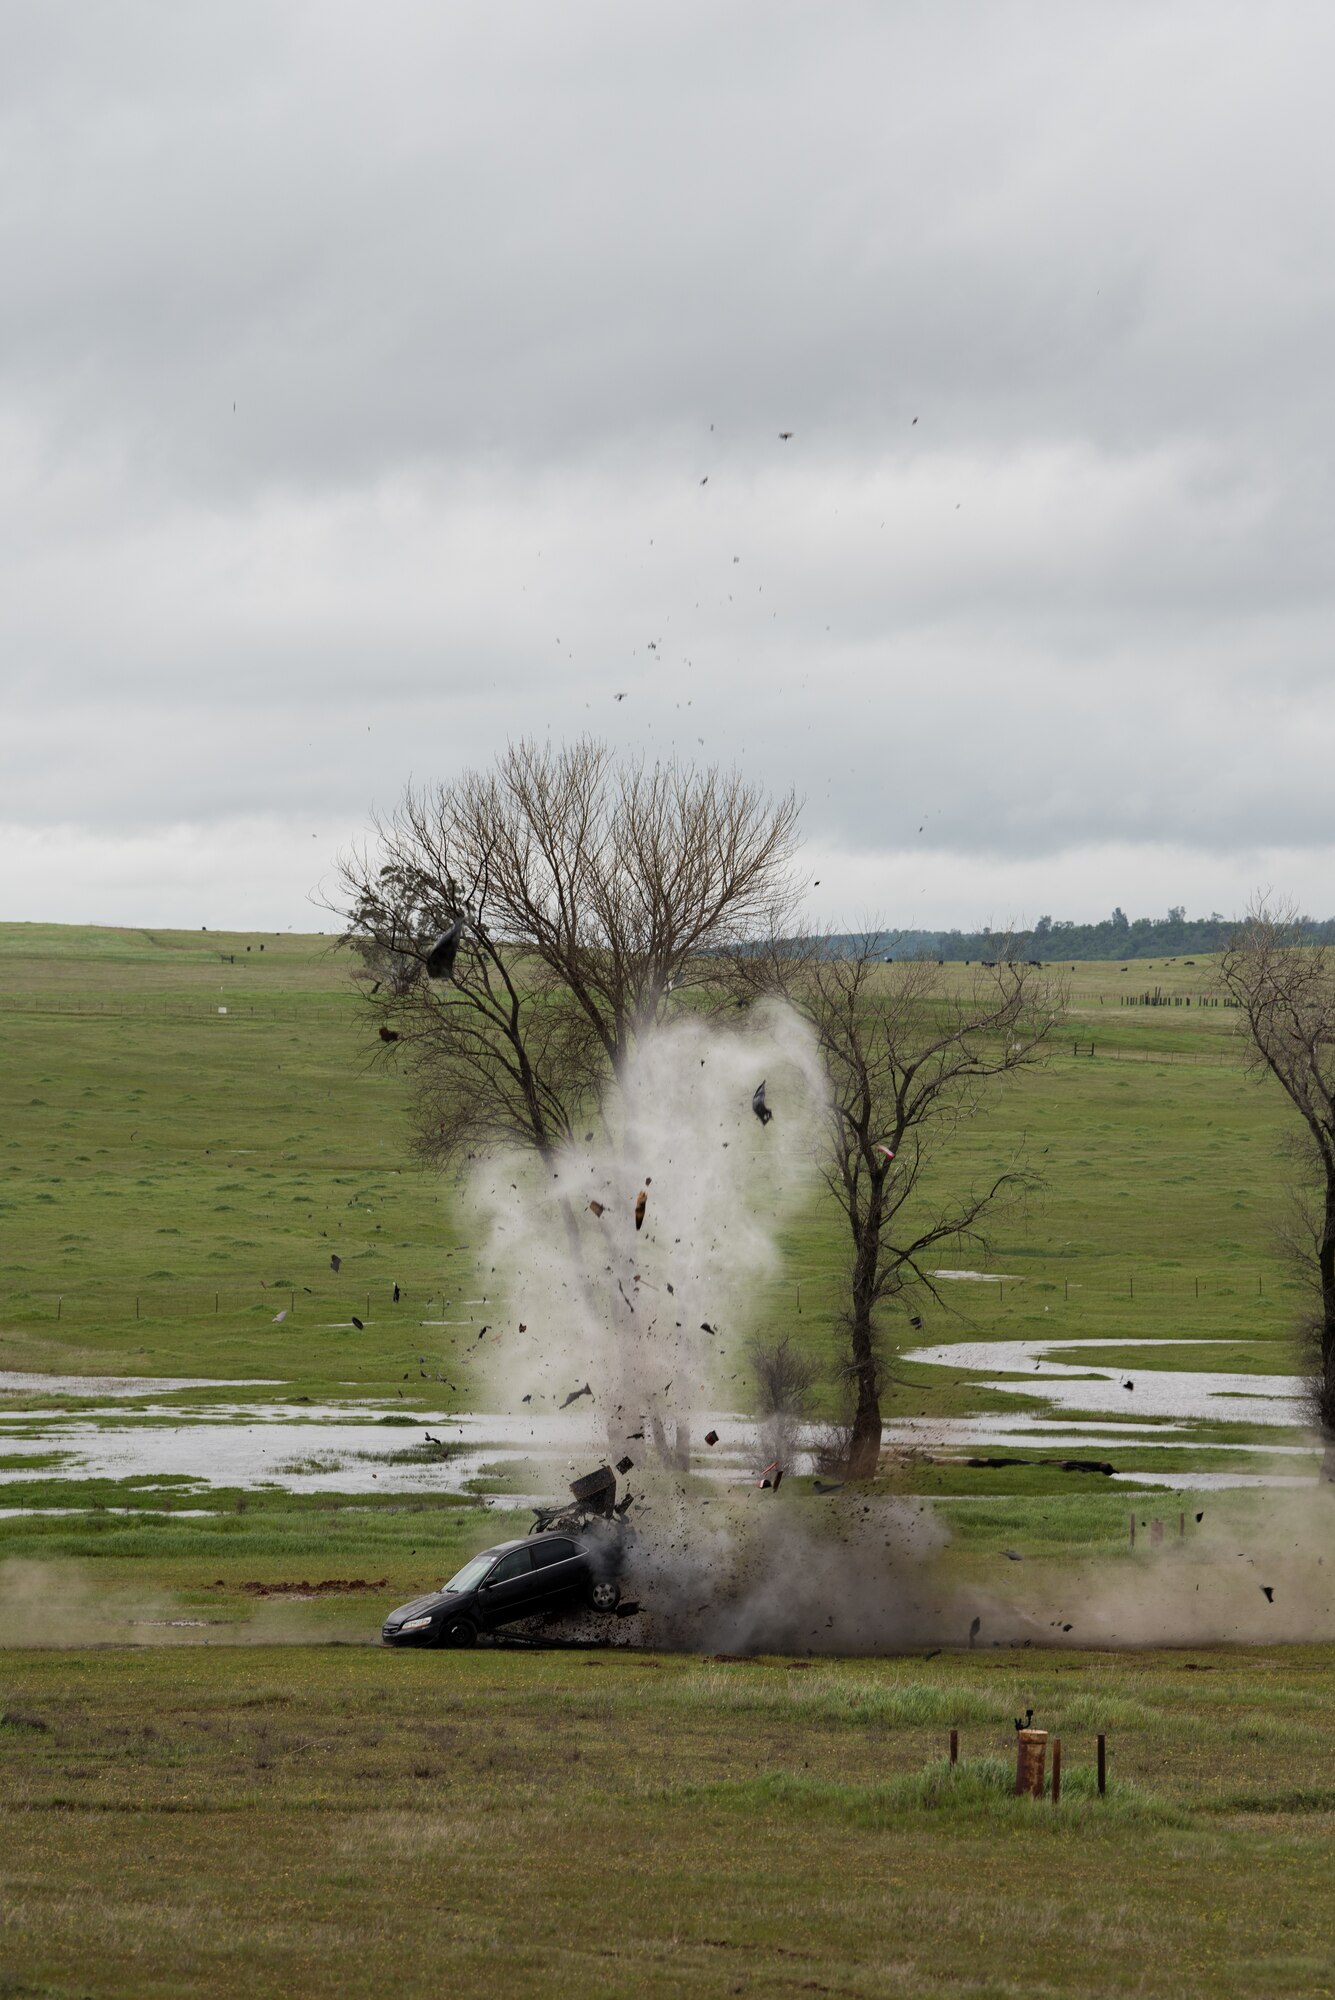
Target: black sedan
[{"x": 514, "y": 1580}]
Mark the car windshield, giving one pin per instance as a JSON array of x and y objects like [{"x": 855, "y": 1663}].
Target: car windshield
[{"x": 471, "y": 1574}]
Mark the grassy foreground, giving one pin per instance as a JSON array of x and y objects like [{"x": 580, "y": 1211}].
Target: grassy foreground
[{"x": 327, "y": 1821}]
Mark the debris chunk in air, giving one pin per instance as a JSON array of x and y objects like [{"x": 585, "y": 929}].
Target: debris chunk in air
[
  {"x": 575, "y": 1395},
  {"x": 595, "y": 1208},
  {"x": 335, "y": 1263},
  {"x": 624, "y": 1465},
  {"x": 641, "y": 1202},
  {"x": 711, "y": 1437},
  {"x": 359, "y": 1324},
  {"x": 440, "y": 959},
  {"x": 758, "y": 1104}
]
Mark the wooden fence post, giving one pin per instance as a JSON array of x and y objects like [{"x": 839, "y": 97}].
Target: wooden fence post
[
  {"x": 1103, "y": 1765},
  {"x": 954, "y": 1746},
  {"x": 1031, "y": 1746}
]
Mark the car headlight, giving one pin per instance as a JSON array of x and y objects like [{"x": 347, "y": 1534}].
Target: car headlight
[{"x": 416, "y": 1624}]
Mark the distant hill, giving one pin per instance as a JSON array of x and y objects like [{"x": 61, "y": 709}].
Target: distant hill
[{"x": 1116, "y": 937}]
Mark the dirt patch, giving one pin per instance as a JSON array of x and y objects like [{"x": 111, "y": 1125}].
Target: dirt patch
[{"x": 333, "y": 1586}]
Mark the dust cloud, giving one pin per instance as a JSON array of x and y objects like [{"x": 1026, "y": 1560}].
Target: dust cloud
[{"x": 649, "y": 1316}]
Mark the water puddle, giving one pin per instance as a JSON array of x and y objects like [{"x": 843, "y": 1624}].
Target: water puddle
[{"x": 1198, "y": 1395}]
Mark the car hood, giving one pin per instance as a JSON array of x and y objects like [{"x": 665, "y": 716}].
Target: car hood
[{"x": 432, "y": 1600}]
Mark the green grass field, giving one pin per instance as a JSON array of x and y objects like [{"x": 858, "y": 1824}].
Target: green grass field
[
  {"x": 170, "y": 1174},
  {"x": 225, "y": 1803},
  {"x": 331, "y": 1821}
]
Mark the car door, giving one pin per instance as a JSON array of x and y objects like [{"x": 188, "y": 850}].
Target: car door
[
  {"x": 509, "y": 1592},
  {"x": 561, "y": 1572}
]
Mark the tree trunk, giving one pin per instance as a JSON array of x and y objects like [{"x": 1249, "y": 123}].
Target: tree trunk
[
  {"x": 864, "y": 1446},
  {"x": 1325, "y": 1385}
]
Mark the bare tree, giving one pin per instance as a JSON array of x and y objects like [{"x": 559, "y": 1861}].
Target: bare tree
[
  {"x": 590, "y": 891},
  {"x": 909, "y": 1057},
  {"x": 1286, "y": 991}
]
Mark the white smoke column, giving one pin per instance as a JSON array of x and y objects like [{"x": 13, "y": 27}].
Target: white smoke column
[{"x": 624, "y": 1309}]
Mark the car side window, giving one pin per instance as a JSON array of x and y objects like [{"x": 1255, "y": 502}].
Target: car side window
[
  {"x": 545, "y": 1553},
  {"x": 511, "y": 1566}
]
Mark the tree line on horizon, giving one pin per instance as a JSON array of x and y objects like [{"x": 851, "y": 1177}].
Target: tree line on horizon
[{"x": 1118, "y": 936}]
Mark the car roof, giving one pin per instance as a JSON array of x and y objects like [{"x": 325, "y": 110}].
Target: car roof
[{"x": 527, "y": 1541}]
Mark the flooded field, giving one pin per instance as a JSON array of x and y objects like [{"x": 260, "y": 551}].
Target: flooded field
[{"x": 148, "y": 1429}]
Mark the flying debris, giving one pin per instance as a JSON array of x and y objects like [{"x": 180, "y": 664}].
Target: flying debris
[
  {"x": 1128, "y": 1385},
  {"x": 705, "y": 1327},
  {"x": 359, "y": 1324},
  {"x": 335, "y": 1263},
  {"x": 785, "y": 435},
  {"x": 883, "y": 1149},
  {"x": 595, "y": 1208},
  {"x": 396, "y": 1294},
  {"x": 618, "y": 697},
  {"x": 440, "y": 959},
  {"x": 1268, "y": 1592},
  {"x": 641, "y": 1201},
  {"x": 624, "y": 1465},
  {"x": 484, "y": 1330},
  {"x": 527, "y": 1399},
  {"x": 758, "y": 1104},
  {"x": 388, "y": 1034},
  {"x": 975, "y": 1629},
  {"x": 711, "y": 1437},
  {"x": 575, "y": 1395},
  {"x": 771, "y": 1476},
  {"x": 278, "y": 1318}
]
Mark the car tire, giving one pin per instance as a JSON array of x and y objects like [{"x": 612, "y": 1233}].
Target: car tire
[
  {"x": 458, "y": 1632},
  {"x": 604, "y": 1595}
]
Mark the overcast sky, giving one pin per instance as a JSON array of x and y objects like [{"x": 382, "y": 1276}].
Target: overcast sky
[{"x": 361, "y": 370}]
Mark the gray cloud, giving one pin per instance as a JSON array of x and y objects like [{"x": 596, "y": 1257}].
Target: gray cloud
[{"x": 479, "y": 284}]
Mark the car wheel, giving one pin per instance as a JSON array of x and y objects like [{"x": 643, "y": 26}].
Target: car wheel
[
  {"x": 604, "y": 1596},
  {"x": 458, "y": 1632}
]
